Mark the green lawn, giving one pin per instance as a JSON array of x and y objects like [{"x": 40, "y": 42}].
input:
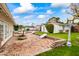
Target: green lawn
[{"x": 63, "y": 51}]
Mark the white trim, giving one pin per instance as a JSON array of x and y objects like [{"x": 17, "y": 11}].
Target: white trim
[
  {"x": 3, "y": 31},
  {"x": 10, "y": 33},
  {"x": 3, "y": 42}
]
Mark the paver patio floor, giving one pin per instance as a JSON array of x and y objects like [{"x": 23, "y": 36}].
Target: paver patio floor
[{"x": 28, "y": 47}]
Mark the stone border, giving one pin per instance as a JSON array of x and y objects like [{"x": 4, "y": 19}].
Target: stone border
[
  {"x": 55, "y": 38},
  {"x": 54, "y": 45}
]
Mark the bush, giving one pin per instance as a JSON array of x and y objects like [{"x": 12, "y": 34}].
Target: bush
[
  {"x": 16, "y": 27},
  {"x": 49, "y": 28},
  {"x": 27, "y": 29}
]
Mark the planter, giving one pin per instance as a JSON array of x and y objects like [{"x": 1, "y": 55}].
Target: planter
[{"x": 21, "y": 37}]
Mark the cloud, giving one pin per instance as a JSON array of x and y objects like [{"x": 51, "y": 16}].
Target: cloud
[
  {"x": 24, "y": 7},
  {"x": 29, "y": 17},
  {"x": 49, "y": 12},
  {"x": 27, "y": 5},
  {"x": 60, "y": 4},
  {"x": 63, "y": 10},
  {"x": 20, "y": 10},
  {"x": 66, "y": 11},
  {"x": 41, "y": 16},
  {"x": 16, "y": 17},
  {"x": 21, "y": 21}
]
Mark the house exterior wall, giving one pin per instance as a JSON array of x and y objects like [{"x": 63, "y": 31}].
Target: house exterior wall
[
  {"x": 57, "y": 28},
  {"x": 38, "y": 27},
  {"x": 66, "y": 28},
  {"x": 7, "y": 27}
]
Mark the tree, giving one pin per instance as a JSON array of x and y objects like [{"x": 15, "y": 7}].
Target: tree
[
  {"x": 74, "y": 11},
  {"x": 23, "y": 30},
  {"x": 57, "y": 18},
  {"x": 54, "y": 19},
  {"x": 78, "y": 23},
  {"x": 16, "y": 27},
  {"x": 21, "y": 27}
]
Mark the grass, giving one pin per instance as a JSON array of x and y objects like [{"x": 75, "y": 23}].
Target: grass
[{"x": 63, "y": 51}]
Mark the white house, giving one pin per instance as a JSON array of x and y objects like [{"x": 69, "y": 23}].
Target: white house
[
  {"x": 57, "y": 26},
  {"x": 6, "y": 24}
]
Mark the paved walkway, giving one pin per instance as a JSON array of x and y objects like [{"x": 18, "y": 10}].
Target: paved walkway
[{"x": 28, "y": 47}]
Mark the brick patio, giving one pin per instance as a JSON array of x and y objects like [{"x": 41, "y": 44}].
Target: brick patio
[{"x": 28, "y": 47}]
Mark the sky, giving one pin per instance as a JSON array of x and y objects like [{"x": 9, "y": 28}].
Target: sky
[{"x": 37, "y": 13}]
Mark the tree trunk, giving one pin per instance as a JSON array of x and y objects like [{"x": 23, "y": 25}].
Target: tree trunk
[{"x": 23, "y": 33}]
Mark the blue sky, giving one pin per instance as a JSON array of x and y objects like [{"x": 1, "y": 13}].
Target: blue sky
[{"x": 37, "y": 13}]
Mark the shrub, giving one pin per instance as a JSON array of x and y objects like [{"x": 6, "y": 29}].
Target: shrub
[
  {"x": 49, "y": 28},
  {"x": 27, "y": 29},
  {"x": 78, "y": 23},
  {"x": 16, "y": 27}
]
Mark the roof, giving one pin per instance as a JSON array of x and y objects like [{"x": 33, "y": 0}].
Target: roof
[{"x": 6, "y": 10}]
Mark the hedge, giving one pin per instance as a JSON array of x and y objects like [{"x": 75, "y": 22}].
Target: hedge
[{"x": 49, "y": 28}]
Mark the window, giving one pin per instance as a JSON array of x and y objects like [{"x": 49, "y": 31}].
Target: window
[{"x": 5, "y": 31}]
